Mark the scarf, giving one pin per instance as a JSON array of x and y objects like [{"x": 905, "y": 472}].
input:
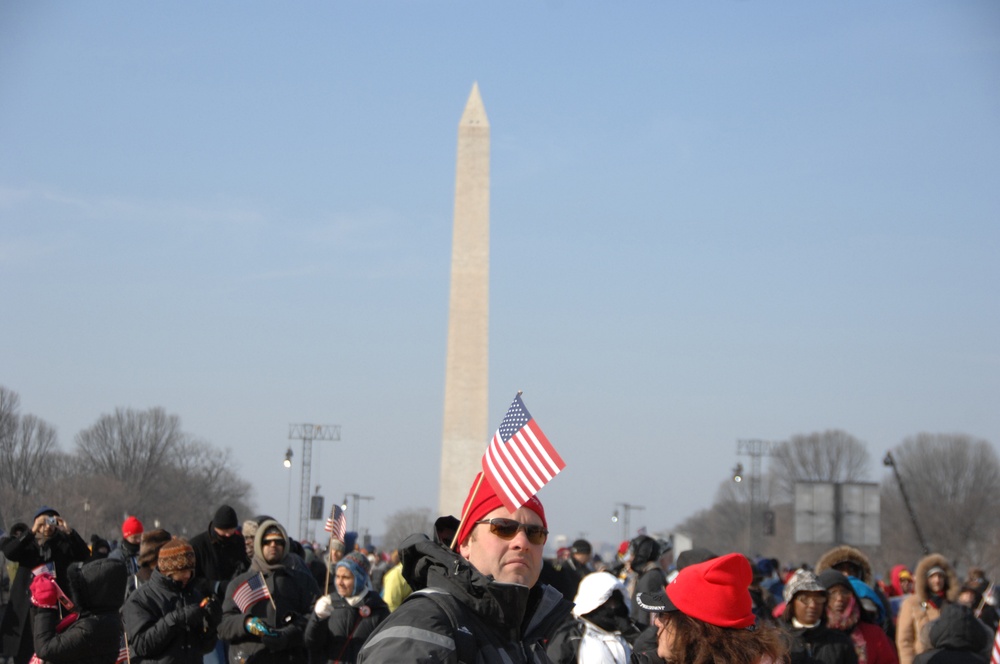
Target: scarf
[{"x": 847, "y": 621}]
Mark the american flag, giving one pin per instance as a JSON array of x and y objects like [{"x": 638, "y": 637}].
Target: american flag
[
  {"x": 336, "y": 525},
  {"x": 520, "y": 460},
  {"x": 122, "y": 651},
  {"x": 250, "y": 592},
  {"x": 995, "y": 657}
]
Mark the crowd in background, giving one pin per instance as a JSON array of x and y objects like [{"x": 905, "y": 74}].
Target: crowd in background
[{"x": 245, "y": 591}]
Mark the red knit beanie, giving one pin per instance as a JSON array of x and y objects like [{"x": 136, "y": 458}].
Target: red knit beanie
[
  {"x": 132, "y": 526},
  {"x": 484, "y": 501}
]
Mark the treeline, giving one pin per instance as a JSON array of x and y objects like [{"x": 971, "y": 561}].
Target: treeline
[
  {"x": 951, "y": 480},
  {"x": 137, "y": 462}
]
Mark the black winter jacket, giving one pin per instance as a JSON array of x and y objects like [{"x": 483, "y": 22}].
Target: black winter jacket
[
  {"x": 97, "y": 588},
  {"x": 165, "y": 623},
  {"x": 218, "y": 559},
  {"x": 60, "y": 550},
  {"x": 819, "y": 644},
  {"x": 459, "y": 615},
  {"x": 957, "y": 637},
  {"x": 339, "y": 638},
  {"x": 293, "y": 592}
]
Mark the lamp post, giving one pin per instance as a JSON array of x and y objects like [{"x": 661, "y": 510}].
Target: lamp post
[
  {"x": 287, "y": 463},
  {"x": 627, "y": 509},
  {"x": 86, "y": 515},
  {"x": 355, "y": 505}
]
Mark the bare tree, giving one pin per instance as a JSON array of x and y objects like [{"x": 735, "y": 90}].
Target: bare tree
[
  {"x": 27, "y": 446},
  {"x": 952, "y": 481},
  {"x": 403, "y": 523},
  {"x": 131, "y": 446},
  {"x": 830, "y": 456}
]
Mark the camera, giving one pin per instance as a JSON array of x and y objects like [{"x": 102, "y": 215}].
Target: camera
[{"x": 51, "y": 520}]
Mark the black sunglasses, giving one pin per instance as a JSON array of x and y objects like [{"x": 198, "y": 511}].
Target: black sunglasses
[
  {"x": 274, "y": 541},
  {"x": 506, "y": 529}
]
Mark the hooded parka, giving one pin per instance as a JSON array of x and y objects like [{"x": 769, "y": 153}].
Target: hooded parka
[
  {"x": 920, "y": 608},
  {"x": 97, "y": 589}
]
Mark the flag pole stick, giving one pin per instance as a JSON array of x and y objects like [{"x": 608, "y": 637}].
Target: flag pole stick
[
  {"x": 329, "y": 559},
  {"x": 465, "y": 512},
  {"x": 273, "y": 605}
]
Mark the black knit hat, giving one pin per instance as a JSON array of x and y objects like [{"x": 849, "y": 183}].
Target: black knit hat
[{"x": 225, "y": 517}]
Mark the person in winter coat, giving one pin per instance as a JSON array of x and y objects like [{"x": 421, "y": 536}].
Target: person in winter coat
[
  {"x": 339, "y": 624},
  {"x": 649, "y": 576},
  {"x": 171, "y": 619},
  {"x": 956, "y": 637},
  {"x": 852, "y": 562},
  {"x": 92, "y": 634},
  {"x": 128, "y": 552},
  {"x": 267, "y": 628},
  {"x": 149, "y": 553},
  {"x": 804, "y": 621},
  {"x": 936, "y": 585},
  {"x": 602, "y": 630},
  {"x": 219, "y": 552},
  {"x": 844, "y": 612},
  {"x": 482, "y": 603},
  {"x": 705, "y": 616},
  {"x": 49, "y": 542}
]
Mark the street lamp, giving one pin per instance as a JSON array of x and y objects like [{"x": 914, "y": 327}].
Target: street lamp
[
  {"x": 287, "y": 463},
  {"x": 738, "y": 473}
]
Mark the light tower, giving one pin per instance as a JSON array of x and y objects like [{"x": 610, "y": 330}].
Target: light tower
[{"x": 307, "y": 433}]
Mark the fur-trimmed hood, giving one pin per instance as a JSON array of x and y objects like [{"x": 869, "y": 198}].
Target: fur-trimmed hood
[
  {"x": 920, "y": 577},
  {"x": 846, "y": 554}
]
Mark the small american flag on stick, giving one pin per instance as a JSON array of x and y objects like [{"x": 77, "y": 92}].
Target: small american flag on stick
[
  {"x": 250, "y": 592},
  {"x": 995, "y": 656},
  {"x": 336, "y": 525},
  {"x": 122, "y": 651},
  {"x": 520, "y": 460}
]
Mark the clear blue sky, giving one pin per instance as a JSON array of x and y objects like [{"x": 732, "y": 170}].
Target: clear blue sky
[{"x": 710, "y": 221}]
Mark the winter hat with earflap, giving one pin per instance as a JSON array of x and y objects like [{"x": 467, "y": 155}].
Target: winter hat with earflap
[
  {"x": 175, "y": 556},
  {"x": 357, "y": 564},
  {"x": 803, "y": 581}
]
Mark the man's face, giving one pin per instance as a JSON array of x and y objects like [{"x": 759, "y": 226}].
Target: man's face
[
  {"x": 936, "y": 582},
  {"x": 968, "y": 598},
  {"x": 183, "y": 577},
  {"x": 336, "y": 555},
  {"x": 808, "y": 606},
  {"x": 225, "y": 532},
  {"x": 344, "y": 581},
  {"x": 582, "y": 558},
  {"x": 134, "y": 539},
  {"x": 508, "y": 561},
  {"x": 273, "y": 548},
  {"x": 850, "y": 569},
  {"x": 248, "y": 542},
  {"x": 906, "y": 585}
]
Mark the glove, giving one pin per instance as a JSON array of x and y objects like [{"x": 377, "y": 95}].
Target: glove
[
  {"x": 213, "y": 611},
  {"x": 324, "y": 607},
  {"x": 44, "y": 592},
  {"x": 258, "y": 627},
  {"x": 282, "y": 638},
  {"x": 185, "y": 616}
]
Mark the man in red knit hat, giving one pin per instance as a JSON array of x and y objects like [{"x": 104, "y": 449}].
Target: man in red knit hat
[
  {"x": 128, "y": 552},
  {"x": 483, "y": 597}
]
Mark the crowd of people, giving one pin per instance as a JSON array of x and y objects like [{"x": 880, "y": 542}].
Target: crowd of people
[{"x": 476, "y": 589}]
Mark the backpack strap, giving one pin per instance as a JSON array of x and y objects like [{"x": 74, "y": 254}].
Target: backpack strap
[{"x": 465, "y": 639}]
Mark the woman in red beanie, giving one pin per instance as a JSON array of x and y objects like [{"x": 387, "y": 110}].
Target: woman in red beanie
[{"x": 705, "y": 616}]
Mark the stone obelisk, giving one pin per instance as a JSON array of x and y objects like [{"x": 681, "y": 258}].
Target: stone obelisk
[{"x": 466, "y": 431}]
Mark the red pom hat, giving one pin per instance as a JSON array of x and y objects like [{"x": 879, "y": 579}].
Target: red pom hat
[
  {"x": 485, "y": 501},
  {"x": 131, "y": 526},
  {"x": 715, "y": 591}
]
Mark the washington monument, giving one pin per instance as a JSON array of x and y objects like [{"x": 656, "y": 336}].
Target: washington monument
[{"x": 465, "y": 432}]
